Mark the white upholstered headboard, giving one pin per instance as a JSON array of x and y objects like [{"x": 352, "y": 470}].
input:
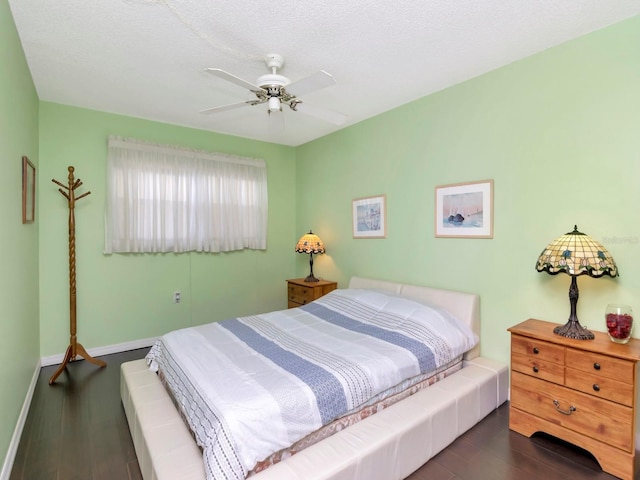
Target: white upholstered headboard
[{"x": 465, "y": 306}]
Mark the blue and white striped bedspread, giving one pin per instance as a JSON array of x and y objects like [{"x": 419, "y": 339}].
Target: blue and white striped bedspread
[{"x": 254, "y": 385}]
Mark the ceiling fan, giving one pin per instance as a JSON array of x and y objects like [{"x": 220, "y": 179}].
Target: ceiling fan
[{"x": 277, "y": 90}]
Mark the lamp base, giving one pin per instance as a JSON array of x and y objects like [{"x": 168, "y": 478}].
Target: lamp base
[
  {"x": 573, "y": 329},
  {"x": 310, "y": 278}
]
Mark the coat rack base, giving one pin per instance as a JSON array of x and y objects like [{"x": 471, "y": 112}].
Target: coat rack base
[{"x": 70, "y": 356}]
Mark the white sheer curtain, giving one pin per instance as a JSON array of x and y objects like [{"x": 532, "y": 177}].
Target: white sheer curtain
[{"x": 172, "y": 199}]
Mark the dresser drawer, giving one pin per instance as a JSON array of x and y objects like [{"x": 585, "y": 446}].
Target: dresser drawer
[
  {"x": 537, "y": 367},
  {"x": 601, "y": 365},
  {"x": 603, "y": 387},
  {"x": 300, "y": 294},
  {"x": 582, "y": 413},
  {"x": 538, "y": 349}
]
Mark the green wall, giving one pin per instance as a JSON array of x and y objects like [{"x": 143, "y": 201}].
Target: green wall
[
  {"x": 19, "y": 337},
  {"x": 558, "y": 133},
  {"x": 123, "y": 298}
]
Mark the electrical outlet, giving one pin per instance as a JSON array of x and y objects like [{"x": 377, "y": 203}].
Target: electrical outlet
[{"x": 176, "y": 297}]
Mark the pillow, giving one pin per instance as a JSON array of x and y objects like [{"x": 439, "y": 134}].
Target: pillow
[{"x": 431, "y": 324}]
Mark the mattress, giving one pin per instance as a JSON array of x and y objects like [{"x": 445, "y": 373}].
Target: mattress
[{"x": 253, "y": 386}]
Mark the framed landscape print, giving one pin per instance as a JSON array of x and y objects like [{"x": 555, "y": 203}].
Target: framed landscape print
[
  {"x": 369, "y": 217},
  {"x": 464, "y": 210}
]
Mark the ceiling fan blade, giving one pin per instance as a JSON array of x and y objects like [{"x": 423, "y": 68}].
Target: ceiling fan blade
[
  {"x": 231, "y": 78},
  {"x": 223, "y": 108},
  {"x": 321, "y": 113},
  {"x": 311, "y": 83}
]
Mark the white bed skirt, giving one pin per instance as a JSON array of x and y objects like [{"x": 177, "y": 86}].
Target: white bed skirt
[{"x": 389, "y": 445}]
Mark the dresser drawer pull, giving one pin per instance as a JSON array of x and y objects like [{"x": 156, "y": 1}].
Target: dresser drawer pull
[
  {"x": 596, "y": 366},
  {"x": 596, "y": 387},
  {"x": 535, "y": 350},
  {"x": 535, "y": 369},
  {"x": 564, "y": 412}
]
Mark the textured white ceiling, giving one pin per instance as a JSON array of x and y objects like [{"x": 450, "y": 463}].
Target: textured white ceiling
[{"x": 146, "y": 58}]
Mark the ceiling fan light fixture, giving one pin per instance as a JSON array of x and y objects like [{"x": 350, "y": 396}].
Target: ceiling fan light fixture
[{"x": 274, "y": 104}]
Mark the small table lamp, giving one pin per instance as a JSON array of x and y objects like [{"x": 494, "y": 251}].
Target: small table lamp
[
  {"x": 576, "y": 253},
  {"x": 310, "y": 243}
]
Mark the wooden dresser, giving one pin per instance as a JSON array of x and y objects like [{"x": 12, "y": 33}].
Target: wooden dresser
[
  {"x": 581, "y": 391},
  {"x": 300, "y": 292}
]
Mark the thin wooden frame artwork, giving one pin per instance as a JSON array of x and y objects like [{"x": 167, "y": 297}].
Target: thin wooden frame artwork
[
  {"x": 464, "y": 210},
  {"x": 28, "y": 191},
  {"x": 369, "y": 217}
]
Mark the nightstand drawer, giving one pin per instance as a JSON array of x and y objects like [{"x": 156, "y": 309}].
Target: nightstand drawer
[
  {"x": 300, "y": 294},
  {"x": 602, "y": 365},
  {"x": 603, "y": 387},
  {"x": 537, "y": 367},
  {"x": 537, "y": 349},
  {"x": 584, "y": 414}
]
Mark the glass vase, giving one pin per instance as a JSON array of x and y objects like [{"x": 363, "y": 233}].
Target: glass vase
[{"x": 619, "y": 320}]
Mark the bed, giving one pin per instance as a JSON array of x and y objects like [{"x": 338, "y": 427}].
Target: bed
[{"x": 410, "y": 431}]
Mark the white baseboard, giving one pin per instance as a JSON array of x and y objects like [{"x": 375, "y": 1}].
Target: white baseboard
[
  {"x": 17, "y": 432},
  {"x": 99, "y": 351}
]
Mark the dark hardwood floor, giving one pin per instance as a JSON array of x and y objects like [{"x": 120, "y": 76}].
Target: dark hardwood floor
[{"x": 76, "y": 429}]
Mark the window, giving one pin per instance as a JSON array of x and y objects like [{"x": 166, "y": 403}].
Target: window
[{"x": 172, "y": 199}]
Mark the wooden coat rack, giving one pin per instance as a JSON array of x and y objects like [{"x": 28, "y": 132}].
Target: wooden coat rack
[{"x": 74, "y": 347}]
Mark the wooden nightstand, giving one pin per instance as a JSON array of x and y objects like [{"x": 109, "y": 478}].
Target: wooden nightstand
[
  {"x": 300, "y": 292},
  {"x": 581, "y": 391}
]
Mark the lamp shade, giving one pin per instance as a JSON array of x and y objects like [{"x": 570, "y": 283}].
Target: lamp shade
[
  {"x": 310, "y": 243},
  {"x": 575, "y": 254}
]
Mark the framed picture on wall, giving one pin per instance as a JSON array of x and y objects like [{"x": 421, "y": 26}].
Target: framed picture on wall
[
  {"x": 369, "y": 217},
  {"x": 464, "y": 210},
  {"x": 28, "y": 191}
]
